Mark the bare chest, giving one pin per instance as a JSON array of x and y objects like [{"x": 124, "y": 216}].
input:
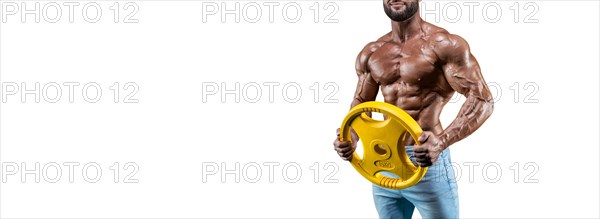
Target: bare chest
[{"x": 394, "y": 63}]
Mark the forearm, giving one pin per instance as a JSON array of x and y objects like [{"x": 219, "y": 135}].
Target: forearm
[
  {"x": 357, "y": 100},
  {"x": 474, "y": 112},
  {"x": 366, "y": 90}
]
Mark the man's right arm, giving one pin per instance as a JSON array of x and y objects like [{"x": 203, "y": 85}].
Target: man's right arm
[
  {"x": 366, "y": 90},
  {"x": 367, "y": 87}
]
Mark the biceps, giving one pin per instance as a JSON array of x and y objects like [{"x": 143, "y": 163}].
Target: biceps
[
  {"x": 366, "y": 89},
  {"x": 465, "y": 77}
]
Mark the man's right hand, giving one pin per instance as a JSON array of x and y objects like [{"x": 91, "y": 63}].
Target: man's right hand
[{"x": 345, "y": 148}]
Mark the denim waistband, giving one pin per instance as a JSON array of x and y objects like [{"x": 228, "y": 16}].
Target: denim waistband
[{"x": 409, "y": 149}]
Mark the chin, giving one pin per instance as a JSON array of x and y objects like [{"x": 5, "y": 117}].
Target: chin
[{"x": 398, "y": 11}]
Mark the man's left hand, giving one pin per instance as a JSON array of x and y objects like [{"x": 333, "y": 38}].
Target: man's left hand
[{"x": 429, "y": 150}]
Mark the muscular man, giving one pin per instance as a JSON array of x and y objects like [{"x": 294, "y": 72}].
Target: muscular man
[{"x": 418, "y": 67}]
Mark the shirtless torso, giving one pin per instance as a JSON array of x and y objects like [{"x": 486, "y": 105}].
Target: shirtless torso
[{"x": 418, "y": 67}]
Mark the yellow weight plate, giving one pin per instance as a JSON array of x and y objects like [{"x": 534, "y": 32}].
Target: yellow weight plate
[{"x": 383, "y": 144}]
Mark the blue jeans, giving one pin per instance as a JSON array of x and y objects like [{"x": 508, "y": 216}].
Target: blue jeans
[{"x": 435, "y": 196}]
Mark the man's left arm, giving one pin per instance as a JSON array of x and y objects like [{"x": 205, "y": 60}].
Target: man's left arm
[{"x": 464, "y": 76}]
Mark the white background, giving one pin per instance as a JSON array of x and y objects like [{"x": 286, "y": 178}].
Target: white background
[{"x": 171, "y": 133}]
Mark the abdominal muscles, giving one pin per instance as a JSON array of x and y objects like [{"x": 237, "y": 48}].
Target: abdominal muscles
[{"x": 422, "y": 104}]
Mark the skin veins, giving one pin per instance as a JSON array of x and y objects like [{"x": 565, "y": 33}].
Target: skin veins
[{"x": 418, "y": 67}]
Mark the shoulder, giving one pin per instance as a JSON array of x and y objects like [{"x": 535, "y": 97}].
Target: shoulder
[
  {"x": 365, "y": 54},
  {"x": 447, "y": 45}
]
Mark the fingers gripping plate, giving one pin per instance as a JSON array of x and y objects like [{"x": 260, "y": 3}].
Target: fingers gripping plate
[{"x": 383, "y": 144}]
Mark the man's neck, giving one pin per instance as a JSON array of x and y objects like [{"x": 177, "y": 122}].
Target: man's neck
[{"x": 403, "y": 31}]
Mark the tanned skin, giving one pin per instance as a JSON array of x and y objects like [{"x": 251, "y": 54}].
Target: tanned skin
[{"x": 418, "y": 67}]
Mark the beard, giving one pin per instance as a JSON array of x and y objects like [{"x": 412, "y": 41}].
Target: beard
[{"x": 404, "y": 15}]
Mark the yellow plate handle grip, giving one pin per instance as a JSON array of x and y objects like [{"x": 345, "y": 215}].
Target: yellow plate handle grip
[{"x": 383, "y": 144}]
